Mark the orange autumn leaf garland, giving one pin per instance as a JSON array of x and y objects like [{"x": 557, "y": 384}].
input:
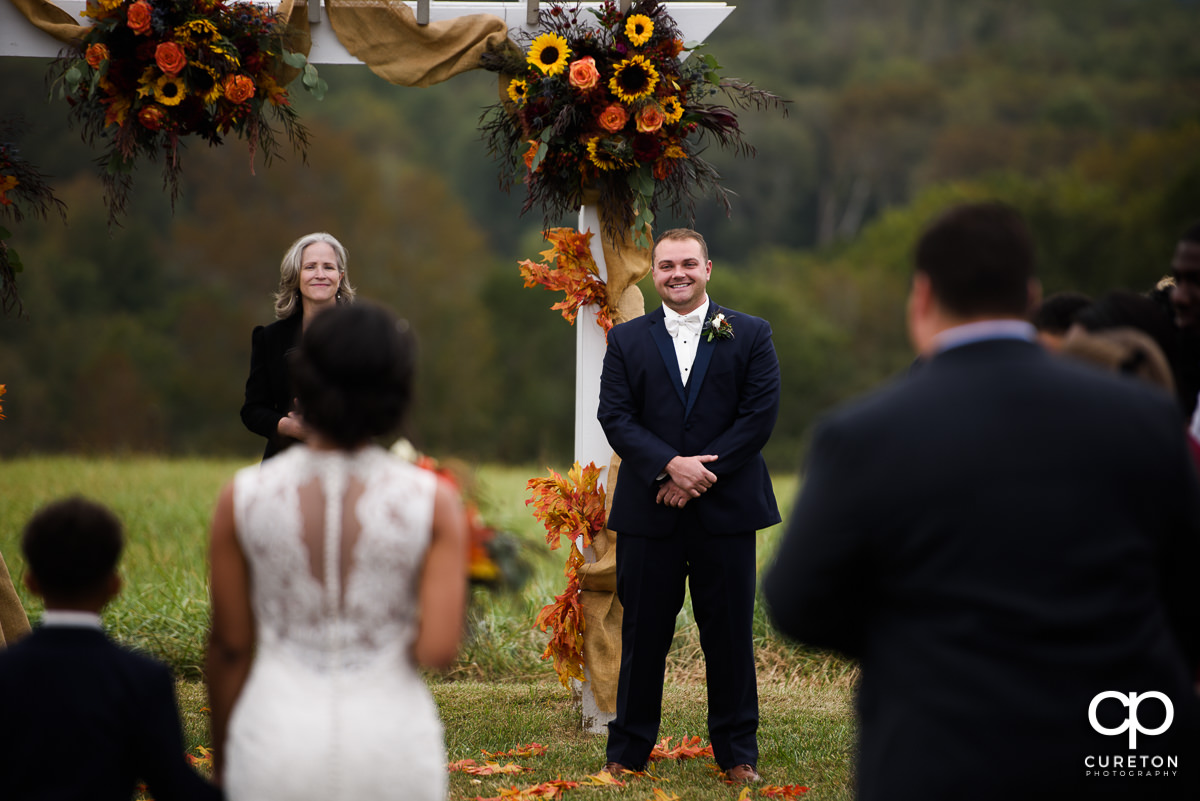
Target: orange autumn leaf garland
[
  {"x": 569, "y": 267},
  {"x": 571, "y": 507}
]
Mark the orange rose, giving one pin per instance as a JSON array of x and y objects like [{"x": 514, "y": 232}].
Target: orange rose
[
  {"x": 583, "y": 73},
  {"x": 239, "y": 88},
  {"x": 170, "y": 58},
  {"x": 613, "y": 118},
  {"x": 96, "y": 55},
  {"x": 650, "y": 119},
  {"x": 138, "y": 16},
  {"x": 152, "y": 116}
]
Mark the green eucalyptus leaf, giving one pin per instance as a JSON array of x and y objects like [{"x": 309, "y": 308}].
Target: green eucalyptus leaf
[
  {"x": 296, "y": 60},
  {"x": 542, "y": 150}
]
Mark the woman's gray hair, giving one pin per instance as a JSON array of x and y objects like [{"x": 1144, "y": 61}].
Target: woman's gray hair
[{"x": 287, "y": 297}]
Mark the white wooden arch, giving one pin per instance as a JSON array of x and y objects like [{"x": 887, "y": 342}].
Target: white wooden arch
[{"x": 696, "y": 21}]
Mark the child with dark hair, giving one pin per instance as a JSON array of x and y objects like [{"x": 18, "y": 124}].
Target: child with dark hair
[{"x": 83, "y": 717}]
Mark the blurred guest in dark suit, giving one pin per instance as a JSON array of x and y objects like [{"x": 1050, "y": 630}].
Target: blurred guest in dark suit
[
  {"x": 1007, "y": 542},
  {"x": 82, "y": 717}
]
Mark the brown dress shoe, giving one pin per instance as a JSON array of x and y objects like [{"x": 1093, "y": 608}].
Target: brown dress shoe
[
  {"x": 742, "y": 774},
  {"x": 615, "y": 768}
]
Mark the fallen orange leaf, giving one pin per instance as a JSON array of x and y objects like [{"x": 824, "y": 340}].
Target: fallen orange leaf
[
  {"x": 661, "y": 795},
  {"x": 689, "y": 748},
  {"x": 528, "y": 750},
  {"x": 494, "y": 768},
  {"x": 460, "y": 765},
  {"x": 782, "y": 791},
  {"x": 602, "y": 779}
]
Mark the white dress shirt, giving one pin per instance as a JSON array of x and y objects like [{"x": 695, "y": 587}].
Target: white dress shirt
[
  {"x": 71, "y": 617},
  {"x": 687, "y": 342}
]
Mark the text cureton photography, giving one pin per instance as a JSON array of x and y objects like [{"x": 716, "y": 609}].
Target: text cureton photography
[{"x": 1131, "y": 765}]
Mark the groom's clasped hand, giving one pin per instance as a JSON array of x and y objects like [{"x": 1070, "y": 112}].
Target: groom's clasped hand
[{"x": 687, "y": 478}]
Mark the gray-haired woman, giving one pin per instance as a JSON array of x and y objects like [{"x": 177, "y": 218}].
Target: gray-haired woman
[{"x": 312, "y": 277}]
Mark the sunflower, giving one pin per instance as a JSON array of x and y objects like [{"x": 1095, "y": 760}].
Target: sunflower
[
  {"x": 517, "y": 89},
  {"x": 672, "y": 109},
  {"x": 198, "y": 30},
  {"x": 549, "y": 53},
  {"x": 170, "y": 90},
  {"x": 639, "y": 29},
  {"x": 208, "y": 84},
  {"x": 633, "y": 78},
  {"x": 602, "y": 158}
]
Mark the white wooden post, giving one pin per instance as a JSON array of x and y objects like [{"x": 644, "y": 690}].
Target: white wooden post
[{"x": 591, "y": 445}]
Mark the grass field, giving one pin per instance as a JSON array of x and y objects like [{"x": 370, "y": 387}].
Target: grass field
[{"x": 500, "y": 694}]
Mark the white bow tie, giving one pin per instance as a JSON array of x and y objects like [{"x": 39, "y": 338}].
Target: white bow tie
[{"x": 690, "y": 323}]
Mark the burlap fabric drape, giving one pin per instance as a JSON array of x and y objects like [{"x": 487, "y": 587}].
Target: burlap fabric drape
[
  {"x": 383, "y": 34},
  {"x": 602, "y": 610},
  {"x": 13, "y": 622},
  {"x": 51, "y": 19}
]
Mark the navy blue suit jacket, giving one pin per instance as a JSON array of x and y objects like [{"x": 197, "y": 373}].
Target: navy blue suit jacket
[
  {"x": 999, "y": 537},
  {"x": 83, "y": 719},
  {"x": 728, "y": 408}
]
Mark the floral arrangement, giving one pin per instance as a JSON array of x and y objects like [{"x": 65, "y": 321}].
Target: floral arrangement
[
  {"x": 718, "y": 326},
  {"x": 151, "y": 71},
  {"x": 493, "y": 557},
  {"x": 23, "y": 190},
  {"x": 608, "y": 104},
  {"x": 571, "y": 507},
  {"x": 3, "y": 389},
  {"x": 568, "y": 267}
]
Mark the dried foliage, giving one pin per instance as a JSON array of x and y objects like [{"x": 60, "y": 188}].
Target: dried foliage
[
  {"x": 571, "y": 507},
  {"x": 23, "y": 192},
  {"x": 568, "y": 267}
]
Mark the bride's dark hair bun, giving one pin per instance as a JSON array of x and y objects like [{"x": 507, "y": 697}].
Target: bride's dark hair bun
[{"x": 353, "y": 373}]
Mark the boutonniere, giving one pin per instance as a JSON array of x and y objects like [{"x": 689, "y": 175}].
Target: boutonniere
[{"x": 719, "y": 327}]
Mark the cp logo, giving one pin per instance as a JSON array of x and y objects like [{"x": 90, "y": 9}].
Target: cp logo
[{"x": 1131, "y": 723}]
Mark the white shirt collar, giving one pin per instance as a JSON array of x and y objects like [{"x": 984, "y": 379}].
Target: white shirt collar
[
  {"x": 71, "y": 617},
  {"x": 985, "y": 329},
  {"x": 701, "y": 310}
]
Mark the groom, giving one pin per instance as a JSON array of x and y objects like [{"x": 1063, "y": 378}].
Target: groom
[{"x": 689, "y": 395}]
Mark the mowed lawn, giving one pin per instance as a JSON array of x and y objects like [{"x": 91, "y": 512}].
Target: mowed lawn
[{"x": 500, "y": 695}]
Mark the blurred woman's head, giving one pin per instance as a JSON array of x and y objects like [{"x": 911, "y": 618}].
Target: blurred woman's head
[
  {"x": 289, "y": 296},
  {"x": 353, "y": 373}
]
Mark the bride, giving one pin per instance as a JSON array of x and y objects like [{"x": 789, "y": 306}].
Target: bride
[{"x": 336, "y": 570}]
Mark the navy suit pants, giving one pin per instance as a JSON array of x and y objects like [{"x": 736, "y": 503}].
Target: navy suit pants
[{"x": 651, "y": 575}]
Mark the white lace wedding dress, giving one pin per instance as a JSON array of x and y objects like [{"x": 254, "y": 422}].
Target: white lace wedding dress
[{"x": 334, "y": 707}]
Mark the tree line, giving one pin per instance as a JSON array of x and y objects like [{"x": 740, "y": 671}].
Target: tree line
[{"x": 1085, "y": 114}]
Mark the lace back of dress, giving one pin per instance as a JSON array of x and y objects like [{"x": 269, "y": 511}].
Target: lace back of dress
[{"x": 331, "y": 531}]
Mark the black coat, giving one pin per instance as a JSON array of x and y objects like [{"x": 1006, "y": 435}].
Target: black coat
[
  {"x": 82, "y": 718},
  {"x": 269, "y": 395},
  {"x": 1000, "y": 537}
]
